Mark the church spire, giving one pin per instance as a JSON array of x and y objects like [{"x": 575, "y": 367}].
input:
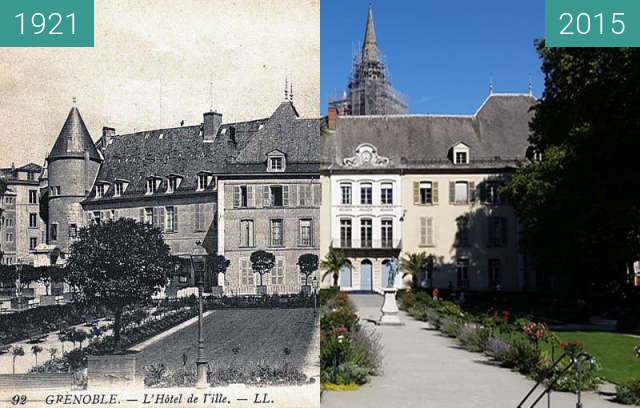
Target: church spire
[{"x": 370, "y": 45}]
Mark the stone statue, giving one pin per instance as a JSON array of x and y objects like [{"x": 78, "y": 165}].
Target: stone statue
[{"x": 394, "y": 265}]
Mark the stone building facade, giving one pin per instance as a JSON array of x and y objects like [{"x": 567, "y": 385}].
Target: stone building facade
[
  {"x": 22, "y": 228},
  {"x": 183, "y": 180},
  {"x": 270, "y": 199}
]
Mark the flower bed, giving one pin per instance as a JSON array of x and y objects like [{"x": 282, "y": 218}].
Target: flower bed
[
  {"x": 521, "y": 345},
  {"x": 137, "y": 332},
  {"x": 349, "y": 353},
  {"x": 20, "y": 326}
]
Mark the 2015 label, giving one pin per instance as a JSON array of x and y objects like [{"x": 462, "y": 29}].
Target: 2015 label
[{"x": 582, "y": 24}]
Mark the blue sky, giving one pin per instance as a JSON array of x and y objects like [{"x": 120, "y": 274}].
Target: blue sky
[{"x": 440, "y": 53}]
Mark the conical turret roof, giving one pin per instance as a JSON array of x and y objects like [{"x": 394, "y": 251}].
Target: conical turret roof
[
  {"x": 370, "y": 45},
  {"x": 74, "y": 138}
]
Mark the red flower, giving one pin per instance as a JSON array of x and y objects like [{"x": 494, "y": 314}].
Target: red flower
[{"x": 341, "y": 330}]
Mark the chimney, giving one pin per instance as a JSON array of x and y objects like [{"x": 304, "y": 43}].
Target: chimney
[
  {"x": 331, "y": 118},
  {"x": 107, "y": 134},
  {"x": 212, "y": 122}
]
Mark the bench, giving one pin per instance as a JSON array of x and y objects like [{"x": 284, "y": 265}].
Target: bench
[{"x": 4, "y": 348}]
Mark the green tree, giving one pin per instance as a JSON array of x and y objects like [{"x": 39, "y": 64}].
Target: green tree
[
  {"x": 36, "y": 349},
  {"x": 580, "y": 206},
  {"x": 262, "y": 262},
  {"x": 308, "y": 264},
  {"x": 119, "y": 264},
  {"x": 16, "y": 351},
  {"x": 333, "y": 262},
  {"x": 416, "y": 264}
]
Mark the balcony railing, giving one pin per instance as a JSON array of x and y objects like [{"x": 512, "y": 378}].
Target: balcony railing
[{"x": 367, "y": 244}]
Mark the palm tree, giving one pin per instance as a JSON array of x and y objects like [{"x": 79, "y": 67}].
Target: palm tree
[
  {"x": 416, "y": 264},
  {"x": 52, "y": 353},
  {"x": 35, "y": 349},
  {"x": 15, "y": 353},
  {"x": 333, "y": 262},
  {"x": 62, "y": 336}
]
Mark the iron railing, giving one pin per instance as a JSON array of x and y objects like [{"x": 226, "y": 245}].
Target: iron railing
[{"x": 552, "y": 377}]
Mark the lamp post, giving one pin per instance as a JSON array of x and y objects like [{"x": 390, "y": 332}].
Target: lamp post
[
  {"x": 315, "y": 290},
  {"x": 199, "y": 264}
]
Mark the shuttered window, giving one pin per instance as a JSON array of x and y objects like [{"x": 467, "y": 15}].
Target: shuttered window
[
  {"x": 427, "y": 234},
  {"x": 247, "y": 277},
  {"x": 199, "y": 220},
  {"x": 277, "y": 274}
]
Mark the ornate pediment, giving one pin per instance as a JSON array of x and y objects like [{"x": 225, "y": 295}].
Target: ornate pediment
[{"x": 366, "y": 155}]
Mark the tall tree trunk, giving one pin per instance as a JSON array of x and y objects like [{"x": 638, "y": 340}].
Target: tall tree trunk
[{"x": 116, "y": 330}]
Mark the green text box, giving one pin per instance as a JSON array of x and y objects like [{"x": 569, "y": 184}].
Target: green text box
[
  {"x": 592, "y": 23},
  {"x": 46, "y": 23}
]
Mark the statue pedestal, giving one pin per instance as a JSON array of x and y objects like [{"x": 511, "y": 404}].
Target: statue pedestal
[{"x": 390, "y": 309}]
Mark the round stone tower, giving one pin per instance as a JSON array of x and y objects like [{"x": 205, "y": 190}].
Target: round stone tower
[{"x": 72, "y": 167}]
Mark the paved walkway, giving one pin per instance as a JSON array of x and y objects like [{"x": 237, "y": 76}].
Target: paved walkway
[{"x": 425, "y": 369}]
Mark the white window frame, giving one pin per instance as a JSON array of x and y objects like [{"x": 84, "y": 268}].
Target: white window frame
[
  {"x": 348, "y": 189},
  {"x": 460, "y": 149},
  {"x": 383, "y": 187},
  {"x": 276, "y": 156},
  {"x": 302, "y": 227}
]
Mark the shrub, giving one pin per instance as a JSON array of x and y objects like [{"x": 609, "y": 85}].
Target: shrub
[
  {"x": 450, "y": 326},
  {"x": 628, "y": 393},
  {"x": 473, "y": 337},
  {"x": 351, "y": 373},
  {"x": 497, "y": 348},
  {"x": 369, "y": 345},
  {"x": 589, "y": 379}
]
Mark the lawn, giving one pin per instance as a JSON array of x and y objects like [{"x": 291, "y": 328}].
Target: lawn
[
  {"x": 239, "y": 337},
  {"x": 613, "y": 351}
]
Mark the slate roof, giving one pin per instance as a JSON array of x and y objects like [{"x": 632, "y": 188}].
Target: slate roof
[
  {"x": 10, "y": 174},
  {"x": 298, "y": 139},
  {"x": 74, "y": 139},
  {"x": 238, "y": 148},
  {"x": 497, "y": 136}
]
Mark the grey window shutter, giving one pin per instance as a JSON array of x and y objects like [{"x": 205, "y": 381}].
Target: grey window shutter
[
  {"x": 300, "y": 189},
  {"x": 504, "y": 230},
  {"x": 154, "y": 217},
  {"x": 142, "y": 215},
  {"x": 452, "y": 192},
  {"x": 434, "y": 192},
  {"x": 266, "y": 196},
  {"x": 236, "y": 196},
  {"x": 472, "y": 191},
  {"x": 293, "y": 198},
  {"x": 416, "y": 192},
  {"x": 250, "y": 202},
  {"x": 423, "y": 230},
  {"x": 430, "y": 238},
  {"x": 162, "y": 223},
  {"x": 317, "y": 192},
  {"x": 490, "y": 231},
  {"x": 175, "y": 219},
  {"x": 285, "y": 196}
]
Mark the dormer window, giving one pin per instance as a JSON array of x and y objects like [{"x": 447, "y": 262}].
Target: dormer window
[
  {"x": 461, "y": 154},
  {"x": 120, "y": 187},
  {"x": 204, "y": 180},
  {"x": 100, "y": 190},
  {"x": 152, "y": 185},
  {"x": 276, "y": 161},
  {"x": 173, "y": 182}
]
